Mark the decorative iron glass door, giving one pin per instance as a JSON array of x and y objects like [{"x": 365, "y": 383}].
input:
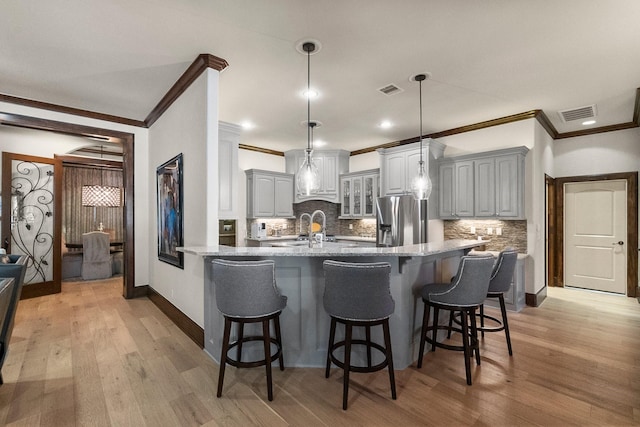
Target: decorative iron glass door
[{"x": 31, "y": 219}]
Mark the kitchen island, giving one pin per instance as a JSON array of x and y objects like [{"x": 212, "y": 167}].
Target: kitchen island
[{"x": 300, "y": 276}]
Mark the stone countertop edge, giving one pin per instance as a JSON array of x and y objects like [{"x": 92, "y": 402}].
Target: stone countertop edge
[
  {"x": 423, "y": 249},
  {"x": 295, "y": 236}
]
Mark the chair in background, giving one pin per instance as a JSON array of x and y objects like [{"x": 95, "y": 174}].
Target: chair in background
[
  {"x": 463, "y": 296},
  {"x": 500, "y": 283},
  {"x": 358, "y": 294},
  {"x": 246, "y": 292},
  {"x": 96, "y": 258},
  {"x": 11, "y": 267}
]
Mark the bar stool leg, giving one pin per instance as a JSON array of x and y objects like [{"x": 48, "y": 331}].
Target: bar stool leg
[
  {"x": 450, "y": 324},
  {"x": 423, "y": 333},
  {"x": 223, "y": 354},
  {"x": 475, "y": 345},
  {"x": 332, "y": 335},
  {"x": 434, "y": 332},
  {"x": 240, "y": 337},
  {"x": 368, "y": 339},
  {"x": 503, "y": 309},
  {"x": 347, "y": 364},
  {"x": 389, "y": 355},
  {"x": 267, "y": 357},
  {"x": 465, "y": 344},
  {"x": 276, "y": 323},
  {"x": 482, "y": 320}
]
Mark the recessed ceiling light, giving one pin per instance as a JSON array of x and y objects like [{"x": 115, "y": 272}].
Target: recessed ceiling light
[
  {"x": 588, "y": 122},
  {"x": 311, "y": 93},
  {"x": 385, "y": 124},
  {"x": 247, "y": 125},
  {"x": 319, "y": 143}
]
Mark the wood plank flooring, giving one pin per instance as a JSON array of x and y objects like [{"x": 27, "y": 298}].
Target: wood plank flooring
[{"x": 88, "y": 357}]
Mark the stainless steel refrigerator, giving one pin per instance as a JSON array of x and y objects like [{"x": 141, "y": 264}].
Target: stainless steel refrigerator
[{"x": 401, "y": 220}]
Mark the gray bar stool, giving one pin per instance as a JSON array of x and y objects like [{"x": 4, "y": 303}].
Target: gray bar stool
[
  {"x": 246, "y": 292},
  {"x": 500, "y": 283},
  {"x": 358, "y": 294},
  {"x": 463, "y": 295}
]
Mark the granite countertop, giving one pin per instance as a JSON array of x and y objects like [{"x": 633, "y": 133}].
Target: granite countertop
[
  {"x": 328, "y": 249},
  {"x": 295, "y": 236},
  {"x": 495, "y": 253}
]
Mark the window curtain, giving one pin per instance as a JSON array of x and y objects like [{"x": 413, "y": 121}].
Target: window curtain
[{"x": 78, "y": 219}]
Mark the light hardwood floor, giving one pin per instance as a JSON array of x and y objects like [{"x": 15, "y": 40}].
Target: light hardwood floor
[{"x": 88, "y": 357}]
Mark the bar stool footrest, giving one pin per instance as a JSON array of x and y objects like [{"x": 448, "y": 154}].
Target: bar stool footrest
[
  {"x": 355, "y": 368},
  {"x": 252, "y": 364},
  {"x": 444, "y": 345}
]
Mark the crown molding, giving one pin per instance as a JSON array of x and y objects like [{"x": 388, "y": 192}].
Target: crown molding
[
  {"x": 197, "y": 67},
  {"x": 69, "y": 110}
]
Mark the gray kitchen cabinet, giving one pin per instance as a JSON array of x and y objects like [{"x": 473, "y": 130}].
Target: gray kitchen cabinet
[
  {"x": 398, "y": 165},
  {"x": 331, "y": 164},
  {"x": 514, "y": 298},
  {"x": 483, "y": 185},
  {"x": 358, "y": 193},
  {"x": 455, "y": 198},
  {"x": 269, "y": 194}
]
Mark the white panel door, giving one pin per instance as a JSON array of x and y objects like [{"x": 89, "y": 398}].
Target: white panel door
[{"x": 595, "y": 224}]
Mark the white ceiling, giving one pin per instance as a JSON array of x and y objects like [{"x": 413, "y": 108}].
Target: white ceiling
[{"x": 488, "y": 59}]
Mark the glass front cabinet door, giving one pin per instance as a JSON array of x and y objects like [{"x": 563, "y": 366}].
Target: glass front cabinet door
[
  {"x": 370, "y": 194},
  {"x": 357, "y": 196},
  {"x": 346, "y": 197}
]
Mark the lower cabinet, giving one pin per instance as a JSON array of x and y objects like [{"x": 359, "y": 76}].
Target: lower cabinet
[
  {"x": 514, "y": 299},
  {"x": 269, "y": 194}
]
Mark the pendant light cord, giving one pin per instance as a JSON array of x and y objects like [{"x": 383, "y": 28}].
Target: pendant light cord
[
  {"x": 420, "y": 135},
  {"x": 308, "y": 99}
]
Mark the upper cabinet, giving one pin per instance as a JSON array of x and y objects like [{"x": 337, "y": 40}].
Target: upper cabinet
[
  {"x": 358, "y": 193},
  {"x": 331, "y": 164},
  {"x": 484, "y": 185},
  {"x": 398, "y": 165},
  {"x": 228, "y": 142},
  {"x": 269, "y": 194}
]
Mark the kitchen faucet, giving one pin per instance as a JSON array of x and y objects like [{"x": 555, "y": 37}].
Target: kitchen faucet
[
  {"x": 302, "y": 216},
  {"x": 324, "y": 227}
]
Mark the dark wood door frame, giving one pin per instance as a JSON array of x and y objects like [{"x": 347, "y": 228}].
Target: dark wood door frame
[
  {"x": 550, "y": 220},
  {"x": 45, "y": 287},
  {"x": 127, "y": 140},
  {"x": 632, "y": 225}
]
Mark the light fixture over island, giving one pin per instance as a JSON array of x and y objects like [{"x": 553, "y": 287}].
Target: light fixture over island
[{"x": 299, "y": 276}]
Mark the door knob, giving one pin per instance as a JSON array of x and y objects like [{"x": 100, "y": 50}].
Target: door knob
[{"x": 620, "y": 242}]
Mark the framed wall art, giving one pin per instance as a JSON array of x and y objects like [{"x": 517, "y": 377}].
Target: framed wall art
[{"x": 170, "y": 211}]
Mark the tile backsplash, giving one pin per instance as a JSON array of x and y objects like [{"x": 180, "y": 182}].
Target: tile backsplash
[
  {"x": 338, "y": 227},
  {"x": 514, "y": 233}
]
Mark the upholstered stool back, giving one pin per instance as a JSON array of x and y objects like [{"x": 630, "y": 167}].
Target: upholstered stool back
[
  {"x": 357, "y": 291},
  {"x": 246, "y": 288}
]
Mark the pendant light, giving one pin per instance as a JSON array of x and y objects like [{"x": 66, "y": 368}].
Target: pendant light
[
  {"x": 308, "y": 176},
  {"x": 421, "y": 184}
]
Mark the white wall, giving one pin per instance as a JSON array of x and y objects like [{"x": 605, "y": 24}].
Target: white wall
[
  {"x": 46, "y": 144},
  {"x": 190, "y": 127},
  {"x": 514, "y": 134},
  {"x": 602, "y": 153}
]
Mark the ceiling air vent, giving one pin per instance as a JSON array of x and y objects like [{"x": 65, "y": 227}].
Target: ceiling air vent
[
  {"x": 580, "y": 113},
  {"x": 390, "y": 89}
]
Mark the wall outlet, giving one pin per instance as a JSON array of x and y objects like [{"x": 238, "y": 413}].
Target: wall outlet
[
  {"x": 499, "y": 231},
  {"x": 350, "y": 226},
  {"x": 473, "y": 230},
  {"x": 284, "y": 226},
  {"x": 489, "y": 230}
]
